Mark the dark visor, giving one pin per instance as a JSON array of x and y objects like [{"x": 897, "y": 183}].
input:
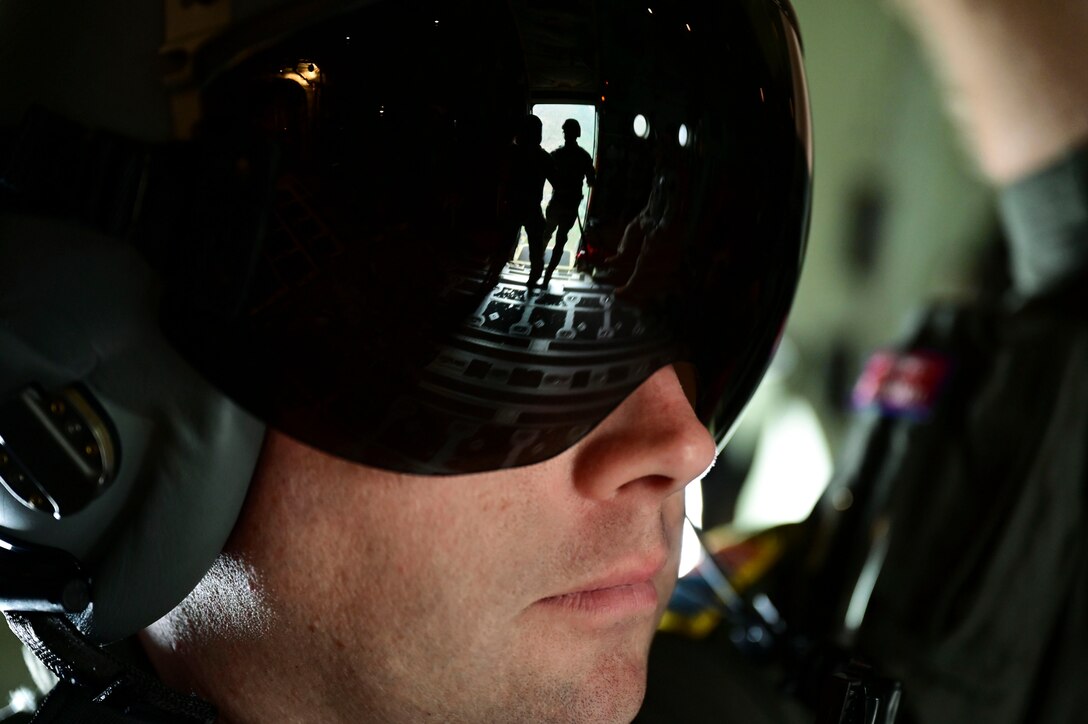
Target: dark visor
[{"x": 389, "y": 241}]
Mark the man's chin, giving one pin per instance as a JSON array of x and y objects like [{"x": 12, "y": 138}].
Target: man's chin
[
  {"x": 608, "y": 687},
  {"x": 615, "y": 694}
]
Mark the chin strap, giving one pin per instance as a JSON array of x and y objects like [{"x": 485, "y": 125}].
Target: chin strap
[{"x": 95, "y": 687}]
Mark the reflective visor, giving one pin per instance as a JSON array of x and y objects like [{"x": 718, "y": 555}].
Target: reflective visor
[{"x": 389, "y": 241}]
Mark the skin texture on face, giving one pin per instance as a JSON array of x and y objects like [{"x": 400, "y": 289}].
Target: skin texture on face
[{"x": 520, "y": 595}]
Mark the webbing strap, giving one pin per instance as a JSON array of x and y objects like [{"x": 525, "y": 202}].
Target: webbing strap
[
  {"x": 67, "y": 704},
  {"x": 95, "y": 686}
]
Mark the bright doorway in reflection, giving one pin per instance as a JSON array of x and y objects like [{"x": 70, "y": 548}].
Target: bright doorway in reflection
[{"x": 552, "y": 116}]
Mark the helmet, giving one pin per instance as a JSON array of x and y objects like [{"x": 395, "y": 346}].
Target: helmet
[{"x": 307, "y": 215}]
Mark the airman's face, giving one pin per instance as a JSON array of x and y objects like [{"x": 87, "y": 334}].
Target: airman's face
[{"x": 521, "y": 595}]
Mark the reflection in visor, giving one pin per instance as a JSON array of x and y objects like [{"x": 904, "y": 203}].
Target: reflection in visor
[{"x": 344, "y": 255}]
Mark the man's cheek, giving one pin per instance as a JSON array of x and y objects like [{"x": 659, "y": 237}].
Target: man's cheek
[
  {"x": 672, "y": 513},
  {"x": 672, "y": 519}
]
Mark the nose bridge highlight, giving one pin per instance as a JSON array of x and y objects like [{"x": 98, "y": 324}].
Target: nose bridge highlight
[{"x": 653, "y": 439}]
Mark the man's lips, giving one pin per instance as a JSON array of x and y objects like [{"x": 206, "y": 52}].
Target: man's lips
[
  {"x": 626, "y": 591},
  {"x": 612, "y": 602}
]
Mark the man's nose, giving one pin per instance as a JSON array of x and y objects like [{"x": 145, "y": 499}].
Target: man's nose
[{"x": 652, "y": 442}]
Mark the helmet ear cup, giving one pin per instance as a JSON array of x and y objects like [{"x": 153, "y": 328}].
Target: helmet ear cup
[{"x": 76, "y": 307}]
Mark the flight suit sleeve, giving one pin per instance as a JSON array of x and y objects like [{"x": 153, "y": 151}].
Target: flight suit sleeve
[{"x": 1046, "y": 219}]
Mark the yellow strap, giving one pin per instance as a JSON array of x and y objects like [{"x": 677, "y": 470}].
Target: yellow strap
[{"x": 698, "y": 626}]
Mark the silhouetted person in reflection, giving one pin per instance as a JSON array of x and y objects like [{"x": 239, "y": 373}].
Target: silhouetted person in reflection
[
  {"x": 648, "y": 250},
  {"x": 528, "y": 167},
  {"x": 572, "y": 164}
]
